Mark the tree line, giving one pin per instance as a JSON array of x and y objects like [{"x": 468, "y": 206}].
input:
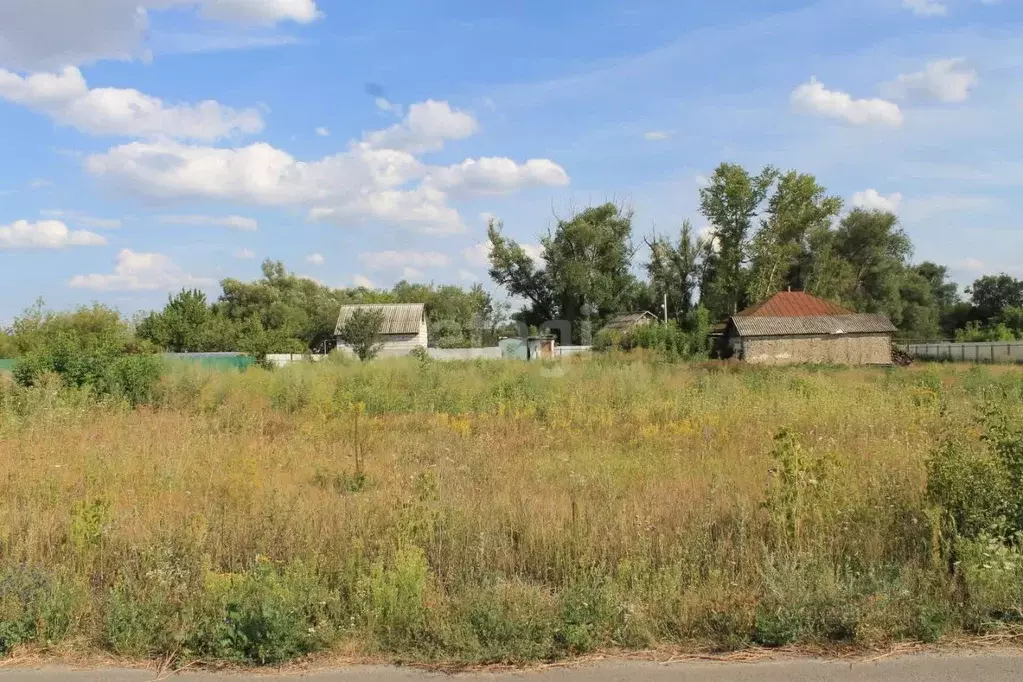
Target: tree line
[{"x": 768, "y": 231}]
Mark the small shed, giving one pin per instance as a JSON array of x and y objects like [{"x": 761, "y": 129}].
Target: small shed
[
  {"x": 404, "y": 326},
  {"x": 795, "y": 327},
  {"x": 627, "y": 321},
  {"x": 513, "y": 348},
  {"x": 540, "y": 347}
]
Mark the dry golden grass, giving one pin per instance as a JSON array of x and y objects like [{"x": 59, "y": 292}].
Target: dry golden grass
[{"x": 508, "y": 512}]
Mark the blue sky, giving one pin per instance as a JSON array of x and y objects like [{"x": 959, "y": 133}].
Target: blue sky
[{"x": 155, "y": 144}]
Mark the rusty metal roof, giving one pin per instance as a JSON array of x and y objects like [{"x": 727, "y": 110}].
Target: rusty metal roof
[
  {"x": 629, "y": 320},
  {"x": 812, "y": 325},
  {"x": 794, "y": 304},
  {"x": 399, "y": 318}
]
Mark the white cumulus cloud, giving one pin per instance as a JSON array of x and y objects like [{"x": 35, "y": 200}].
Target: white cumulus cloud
[
  {"x": 261, "y": 12},
  {"x": 813, "y": 98},
  {"x": 67, "y": 99},
  {"x": 234, "y": 222},
  {"x": 45, "y": 234},
  {"x": 425, "y": 129},
  {"x": 871, "y": 199},
  {"x": 656, "y": 135},
  {"x": 946, "y": 80},
  {"x": 369, "y": 181},
  {"x": 135, "y": 271},
  {"x": 44, "y": 34},
  {"x": 258, "y": 174},
  {"x": 385, "y": 260},
  {"x": 315, "y": 259},
  {"x": 422, "y": 209},
  {"x": 323, "y": 131},
  {"x": 493, "y": 175}
]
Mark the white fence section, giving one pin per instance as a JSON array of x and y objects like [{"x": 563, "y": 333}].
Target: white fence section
[
  {"x": 465, "y": 353},
  {"x": 283, "y": 359},
  {"x": 988, "y": 351},
  {"x": 442, "y": 354}
]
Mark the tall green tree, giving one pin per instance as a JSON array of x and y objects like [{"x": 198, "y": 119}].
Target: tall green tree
[
  {"x": 296, "y": 312},
  {"x": 876, "y": 250},
  {"x": 953, "y": 313},
  {"x": 920, "y": 316},
  {"x": 188, "y": 323},
  {"x": 674, "y": 271},
  {"x": 585, "y": 271},
  {"x": 946, "y": 292},
  {"x": 992, "y": 294},
  {"x": 799, "y": 214},
  {"x": 732, "y": 203}
]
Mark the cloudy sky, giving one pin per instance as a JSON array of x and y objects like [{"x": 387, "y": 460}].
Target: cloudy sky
[{"x": 150, "y": 145}]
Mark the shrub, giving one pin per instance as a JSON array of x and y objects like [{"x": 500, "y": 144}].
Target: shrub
[
  {"x": 968, "y": 485},
  {"x": 394, "y": 599},
  {"x": 673, "y": 341},
  {"x": 7, "y": 349},
  {"x": 979, "y": 488},
  {"x": 34, "y": 607},
  {"x": 134, "y": 377},
  {"x": 361, "y": 333},
  {"x": 667, "y": 339},
  {"x": 264, "y": 617},
  {"x": 89, "y": 348}
]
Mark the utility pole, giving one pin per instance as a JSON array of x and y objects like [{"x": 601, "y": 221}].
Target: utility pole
[{"x": 665, "y": 307}]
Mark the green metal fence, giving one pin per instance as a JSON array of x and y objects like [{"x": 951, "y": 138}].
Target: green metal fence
[{"x": 224, "y": 361}]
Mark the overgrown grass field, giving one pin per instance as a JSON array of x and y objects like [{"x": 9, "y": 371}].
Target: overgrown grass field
[{"x": 496, "y": 511}]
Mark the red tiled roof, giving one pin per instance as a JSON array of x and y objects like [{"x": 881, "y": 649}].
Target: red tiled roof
[{"x": 794, "y": 304}]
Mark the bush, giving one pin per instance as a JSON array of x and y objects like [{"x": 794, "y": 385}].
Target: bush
[
  {"x": 361, "y": 333},
  {"x": 7, "y": 349},
  {"x": 34, "y": 607},
  {"x": 674, "y": 342},
  {"x": 89, "y": 348},
  {"x": 264, "y": 617},
  {"x": 979, "y": 488},
  {"x": 968, "y": 486},
  {"x": 668, "y": 339},
  {"x": 134, "y": 377}
]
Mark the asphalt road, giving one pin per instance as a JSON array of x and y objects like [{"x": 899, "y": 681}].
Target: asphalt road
[{"x": 1000, "y": 667}]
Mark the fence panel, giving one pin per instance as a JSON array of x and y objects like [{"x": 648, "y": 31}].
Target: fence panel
[
  {"x": 223, "y": 361},
  {"x": 975, "y": 352}
]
